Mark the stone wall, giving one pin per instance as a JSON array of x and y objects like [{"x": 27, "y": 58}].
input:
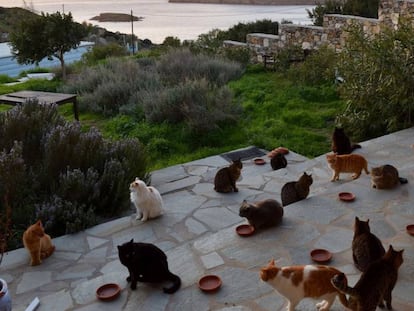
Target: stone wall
[{"x": 333, "y": 32}]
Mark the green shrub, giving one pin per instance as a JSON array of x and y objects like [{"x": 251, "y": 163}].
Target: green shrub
[
  {"x": 73, "y": 176},
  {"x": 100, "y": 52},
  {"x": 318, "y": 68},
  {"x": 180, "y": 65},
  {"x": 6, "y": 79}
]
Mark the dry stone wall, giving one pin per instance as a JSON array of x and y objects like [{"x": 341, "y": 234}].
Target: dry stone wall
[{"x": 332, "y": 33}]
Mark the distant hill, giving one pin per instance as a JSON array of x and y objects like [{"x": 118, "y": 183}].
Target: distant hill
[
  {"x": 9, "y": 17},
  {"x": 254, "y": 2}
]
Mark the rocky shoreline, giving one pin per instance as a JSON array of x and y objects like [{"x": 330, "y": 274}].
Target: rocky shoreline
[{"x": 253, "y": 2}]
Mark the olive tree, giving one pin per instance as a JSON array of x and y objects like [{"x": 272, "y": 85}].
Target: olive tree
[
  {"x": 46, "y": 35},
  {"x": 379, "y": 81}
]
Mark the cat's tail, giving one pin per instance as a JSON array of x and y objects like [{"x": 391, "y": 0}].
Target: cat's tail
[
  {"x": 343, "y": 299},
  {"x": 176, "y": 284},
  {"x": 48, "y": 252},
  {"x": 403, "y": 180},
  {"x": 355, "y": 146},
  {"x": 340, "y": 282}
]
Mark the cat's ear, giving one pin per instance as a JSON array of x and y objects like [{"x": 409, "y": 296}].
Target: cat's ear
[
  {"x": 132, "y": 241},
  {"x": 272, "y": 262}
]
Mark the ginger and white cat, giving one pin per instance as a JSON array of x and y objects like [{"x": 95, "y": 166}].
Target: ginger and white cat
[
  {"x": 146, "y": 199},
  {"x": 307, "y": 281},
  {"x": 347, "y": 163},
  {"x": 38, "y": 243}
]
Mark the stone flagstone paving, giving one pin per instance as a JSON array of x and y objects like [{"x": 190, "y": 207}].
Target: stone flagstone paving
[{"x": 197, "y": 232}]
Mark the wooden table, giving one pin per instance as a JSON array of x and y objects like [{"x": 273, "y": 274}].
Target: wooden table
[{"x": 43, "y": 97}]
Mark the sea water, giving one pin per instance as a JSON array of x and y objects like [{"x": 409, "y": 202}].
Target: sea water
[{"x": 161, "y": 19}]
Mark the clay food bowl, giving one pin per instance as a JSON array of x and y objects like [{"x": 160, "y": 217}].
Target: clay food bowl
[
  {"x": 108, "y": 292},
  {"x": 259, "y": 161},
  {"x": 320, "y": 255},
  {"x": 245, "y": 230},
  {"x": 410, "y": 229},
  {"x": 346, "y": 196},
  {"x": 209, "y": 283}
]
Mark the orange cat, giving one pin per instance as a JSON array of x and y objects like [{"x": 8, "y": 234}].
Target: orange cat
[
  {"x": 38, "y": 243},
  {"x": 347, "y": 163},
  {"x": 299, "y": 282}
]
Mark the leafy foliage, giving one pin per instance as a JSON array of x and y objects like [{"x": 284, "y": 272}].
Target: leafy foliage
[
  {"x": 365, "y": 8},
  {"x": 178, "y": 87},
  {"x": 73, "y": 177},
  {"x": 101, "y": 52},
  {"x": 379, "y": 81},
  {"x": 319, "y": 68},
  {"x": 28, "y": 38}
]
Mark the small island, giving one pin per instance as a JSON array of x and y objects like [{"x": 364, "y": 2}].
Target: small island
[{"x": 116, "y": 17}]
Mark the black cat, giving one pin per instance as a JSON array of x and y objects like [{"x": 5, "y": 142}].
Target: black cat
[
  {"x": 341, "y": 143},
  {"x": 278, "y": 161},
  {"x": 147, "y": 263}
]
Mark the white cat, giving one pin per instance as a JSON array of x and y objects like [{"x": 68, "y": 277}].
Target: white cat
[{"x": 147, "y": 200}]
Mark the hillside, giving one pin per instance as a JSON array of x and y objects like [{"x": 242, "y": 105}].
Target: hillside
[{"x": 9, "y": 17}]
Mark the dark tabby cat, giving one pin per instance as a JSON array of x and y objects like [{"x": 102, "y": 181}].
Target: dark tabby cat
[
  {"x": 294, "y": 191},
  {"x": 366, "y": 247},
  {"x": 278, "y": 161},
  {"x": 386, "y": 177},
  {"x": 147, "y": 263},
  {"x": 266, "y": 213},
  {"x": 375, "y": 285},
  {"x": 341, "y": 143},
  {"x": 226, "y": 177}
]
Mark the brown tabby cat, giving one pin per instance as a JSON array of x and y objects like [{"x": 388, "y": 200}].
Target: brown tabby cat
[
  {"x": 294, "y": 191},
  {"x": 366, "y": 247},
  {"x": 347, "y": 163},
  {"x": 341, "y": 143},
  {"x": 299, "y": 282},
  {"x": 386, "y": 177},
  {"x": 38, "y": 243},
  {"x": 375, "y": 285},
  {"x": 226, "y": 177},
  {"x": 262, "y": 214}
]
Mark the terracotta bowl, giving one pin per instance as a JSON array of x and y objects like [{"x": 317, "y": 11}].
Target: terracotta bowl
[
  {"x": 320, "y": 255},
  {"x": 245, "y": 230},
  {"x": 410, "y": 229},
  {"x": 346, "y": 196},
  {"x": 209, "y": 283},
  {"x": 108, "y": 292},
  {"x": 259, "y": 161}
]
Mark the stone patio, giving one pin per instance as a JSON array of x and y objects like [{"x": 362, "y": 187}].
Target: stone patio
[{"x": 197, "y": 232}]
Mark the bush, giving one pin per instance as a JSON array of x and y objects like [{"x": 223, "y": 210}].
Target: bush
[
  {"x": 101, "y": 52},
  {"x": 73, "y": 177},
  {"x": 180, "y": 65},
  {"x": 178, "y": 87},
  {"x": 378, "y": 81},
  {"x": 318, "y": 68},
  {"x": 192, "y": 102}
]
